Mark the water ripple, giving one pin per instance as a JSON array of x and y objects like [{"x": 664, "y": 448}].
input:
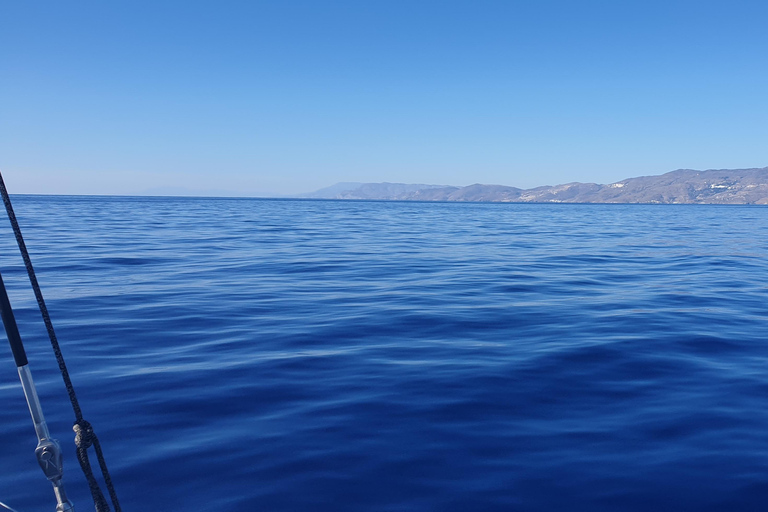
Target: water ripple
[{"x": 283, "y": 355}]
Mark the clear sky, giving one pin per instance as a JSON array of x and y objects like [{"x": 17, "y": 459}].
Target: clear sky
[{"x": 286, "y": 96}]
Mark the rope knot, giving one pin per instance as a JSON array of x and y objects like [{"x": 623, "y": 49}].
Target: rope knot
[{"x": 84, "y": 435}]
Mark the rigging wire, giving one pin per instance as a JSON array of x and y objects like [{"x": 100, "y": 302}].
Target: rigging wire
[
  {"x": 6, "y": 507},
  {"x": 84, "y": 434}
]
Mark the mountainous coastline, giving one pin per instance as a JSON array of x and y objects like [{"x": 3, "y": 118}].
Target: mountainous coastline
[{"x": 683, "y": 186}]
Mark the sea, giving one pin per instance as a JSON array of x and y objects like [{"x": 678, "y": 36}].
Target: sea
[{"x": 317, "y": 355}]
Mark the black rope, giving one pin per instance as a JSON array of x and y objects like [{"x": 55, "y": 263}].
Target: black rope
[{"x": 84, "y": 435}]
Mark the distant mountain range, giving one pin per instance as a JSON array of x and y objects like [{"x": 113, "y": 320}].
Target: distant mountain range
[{"x": 684, "y": 186}]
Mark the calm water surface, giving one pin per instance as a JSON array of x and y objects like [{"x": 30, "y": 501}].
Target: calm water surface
[{"x": 280, "y": 355}]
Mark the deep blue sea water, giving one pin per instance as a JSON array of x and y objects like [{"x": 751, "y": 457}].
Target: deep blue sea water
[{"x": 286, "y": 355}]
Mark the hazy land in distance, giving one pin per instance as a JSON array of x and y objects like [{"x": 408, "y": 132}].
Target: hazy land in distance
[{"x": 683, "y": 186}]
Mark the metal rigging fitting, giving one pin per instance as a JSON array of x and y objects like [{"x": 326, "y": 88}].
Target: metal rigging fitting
[{"x": 48, "y": 451}]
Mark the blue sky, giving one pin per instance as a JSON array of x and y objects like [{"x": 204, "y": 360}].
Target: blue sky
[{"x": 290, "y": 96}]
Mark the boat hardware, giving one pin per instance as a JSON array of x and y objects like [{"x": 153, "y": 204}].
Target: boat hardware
[
  {"x": 49, "y": 455},
  {"x": 48, "y": 451}
]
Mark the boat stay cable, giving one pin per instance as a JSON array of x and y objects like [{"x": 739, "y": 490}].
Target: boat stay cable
[
  {"x": 6, "y": 507},
  {"x": 84, "y": 434}
]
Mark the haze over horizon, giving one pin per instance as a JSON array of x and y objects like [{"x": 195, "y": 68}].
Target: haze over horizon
[{"x": 262, "y": 98}]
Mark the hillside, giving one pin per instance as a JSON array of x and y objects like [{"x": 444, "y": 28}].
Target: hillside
[{"x": 684, "y": 186}]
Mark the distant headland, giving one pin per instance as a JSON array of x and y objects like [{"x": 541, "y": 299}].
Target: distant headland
[{"x": 683, "y": 186}]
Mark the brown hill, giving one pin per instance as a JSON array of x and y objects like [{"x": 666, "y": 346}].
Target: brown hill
[{"x": 684, "y": 186}]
